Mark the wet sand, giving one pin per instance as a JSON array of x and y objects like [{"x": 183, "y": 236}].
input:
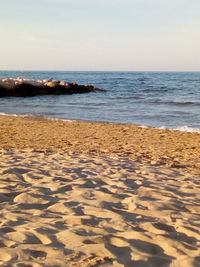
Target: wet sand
[{"x": 98, "y": 194}]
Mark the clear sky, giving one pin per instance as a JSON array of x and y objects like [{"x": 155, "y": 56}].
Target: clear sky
[{"x": 100, "y": 35}]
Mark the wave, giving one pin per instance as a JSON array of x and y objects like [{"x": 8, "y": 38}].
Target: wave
[
  {"x": 176, "y": 103},
  {"x": 15, "y": 115},
  {"x": 158, "y": 101},
  {"x": 187, "y": 129},
  {"x": 183, "y": 128},
  {"x": 35, "y": 117},
  {"x": 159, "y": 90},
  {"x": 182, "y": 103}
]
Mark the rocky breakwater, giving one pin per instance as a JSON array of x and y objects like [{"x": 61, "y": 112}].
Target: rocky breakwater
[{"x": 29, "y": 87}]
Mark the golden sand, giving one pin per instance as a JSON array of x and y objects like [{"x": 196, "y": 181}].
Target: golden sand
[{"x": 98, "y": 194}]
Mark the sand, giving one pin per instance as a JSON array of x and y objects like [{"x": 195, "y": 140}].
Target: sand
[{"x": 97, "y": 194}]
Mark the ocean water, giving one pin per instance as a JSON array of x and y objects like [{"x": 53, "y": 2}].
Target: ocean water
[{"x": 157, "y": 99}]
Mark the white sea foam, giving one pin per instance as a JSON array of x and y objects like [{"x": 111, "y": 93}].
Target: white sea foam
[
  {"x": 144, "y": 126},
  {"x": 18, "y": 115},
  {"x": 6, "y": 114},
  {"x": 185, "y": 128},
  {"x": 36, "y": 117},
  {"x": 56, "y": 119}
]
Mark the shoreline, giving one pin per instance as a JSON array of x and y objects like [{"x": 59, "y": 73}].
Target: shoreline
[
  {"x": 183, "y": 128},
  {"x": 151, "y": 145}
]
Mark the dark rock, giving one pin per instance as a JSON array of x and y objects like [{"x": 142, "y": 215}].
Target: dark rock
[{"x": 24, "y": 88}]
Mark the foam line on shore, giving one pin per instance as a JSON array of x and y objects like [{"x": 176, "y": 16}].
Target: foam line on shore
[
  {"x": 34, "y": 117},
  {"x": 183, "y": 128}
]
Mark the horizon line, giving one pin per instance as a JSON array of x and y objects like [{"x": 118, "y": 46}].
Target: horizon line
[{"x": 61, "y": 70}]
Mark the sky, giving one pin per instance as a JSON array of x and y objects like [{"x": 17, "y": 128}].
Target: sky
[{"x": 116, "y": 35}]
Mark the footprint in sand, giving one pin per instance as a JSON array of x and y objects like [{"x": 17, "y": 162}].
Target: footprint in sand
[
  {"x": 29, "y": 199},
  {"x": 5, "y": 256}
]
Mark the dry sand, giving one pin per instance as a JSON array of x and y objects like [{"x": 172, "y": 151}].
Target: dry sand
[{"x": 97, "y": 194}]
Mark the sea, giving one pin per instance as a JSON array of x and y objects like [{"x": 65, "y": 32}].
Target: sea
[{"x": 168, "y": 100}]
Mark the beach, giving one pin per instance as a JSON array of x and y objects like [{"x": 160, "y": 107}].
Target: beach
[{"x": 76, "y": 193}]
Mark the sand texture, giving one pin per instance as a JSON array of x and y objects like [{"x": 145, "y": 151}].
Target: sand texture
[
  {"x": 155, "y": 146},
  {"x": 92, "y": 194}
]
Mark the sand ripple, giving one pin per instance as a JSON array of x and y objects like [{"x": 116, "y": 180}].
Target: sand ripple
[{"x": 60, "y": 209}]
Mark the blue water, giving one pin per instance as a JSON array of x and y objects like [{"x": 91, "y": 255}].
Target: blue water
[{"x": 157, "y": 99}]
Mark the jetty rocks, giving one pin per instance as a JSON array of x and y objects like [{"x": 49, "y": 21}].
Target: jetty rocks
[{"x": 19, "y": 87}]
